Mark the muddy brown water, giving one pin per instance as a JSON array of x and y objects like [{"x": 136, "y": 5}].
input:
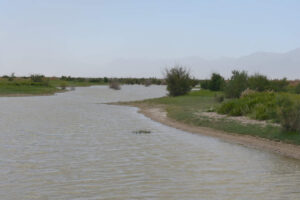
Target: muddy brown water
[{"x": 71, "y": 146}]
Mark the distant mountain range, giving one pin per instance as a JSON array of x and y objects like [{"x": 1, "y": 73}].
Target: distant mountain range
[{"x": 274, "y": 65}]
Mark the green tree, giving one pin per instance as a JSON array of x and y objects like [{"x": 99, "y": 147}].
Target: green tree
[
  {"x": 279, "y": 85},
  {"x": 259, "y": 82},
  {"x": 297, "y": 89},
  {"x": 237, "y": 84},
  {"x": 216, "y": 82},
  {"x": 178, "y": 80},
  {"x": 12, "y": 77},
  {"x": 204, "y": 84},
  {"x": 37, "y": 78},
  {"x": 289, "y": 114},
  {"x": 105, "y": 80}
]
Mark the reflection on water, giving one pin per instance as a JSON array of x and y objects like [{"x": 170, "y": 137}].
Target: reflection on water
[{"x": 70, "y": 146}]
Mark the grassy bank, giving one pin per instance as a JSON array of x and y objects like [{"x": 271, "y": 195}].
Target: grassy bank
[
  {"x": 45, "y": 86},
  {"x": 193, "y": 108}
]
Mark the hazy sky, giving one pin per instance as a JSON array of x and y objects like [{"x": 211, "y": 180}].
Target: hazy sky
[{"x": 91, "y": 37}]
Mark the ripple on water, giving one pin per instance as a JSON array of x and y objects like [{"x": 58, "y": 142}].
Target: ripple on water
[{"x": 70, "y": 146}]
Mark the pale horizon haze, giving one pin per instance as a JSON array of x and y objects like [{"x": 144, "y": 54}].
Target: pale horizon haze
[{"x": 139, "y": 38}]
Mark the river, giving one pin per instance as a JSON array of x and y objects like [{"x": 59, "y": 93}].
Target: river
[{"x": 72, "y": 146}]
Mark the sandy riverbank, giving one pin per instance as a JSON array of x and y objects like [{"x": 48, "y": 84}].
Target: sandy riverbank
[{"x": 159, "y": 114}]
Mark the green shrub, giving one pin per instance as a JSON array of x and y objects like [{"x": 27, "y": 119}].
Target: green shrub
[
  {"x": 278, "y": 107},
  {"x": 279, "y": 85},
  {"x": 247, "y": 92},
  {"x": 194, "y": 82},
  {"x": 12, "y": 77},
  {"x": 236, "y": 111},
  {"x": 37, "y": 78},
  {"x": 289, "y": 113},
  {"x": 258, "y": 82},
  {"x": 257, "y": 105},
  {"x": 260, "y": 112},
  {"x": 219, "y": 98},
  {"x": 216, "y": 82},
  {"x": 147, "y": 83},
  {"x": 105, "y": 80},
  {"x": 114, "y": 84},
  {"x": 237, "y": 84},
  {"x": 297, "y": 89},
  {"x": 178, "y": 81},
  {"x": 204, "y": 84},
  {"x": 95, "y": 80},
  {"x": 227, "y": 107},
  {"x": 63, "y": 86}
]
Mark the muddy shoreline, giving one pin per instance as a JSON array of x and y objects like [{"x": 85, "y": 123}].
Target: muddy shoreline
[{"x": 159, "y": 114}]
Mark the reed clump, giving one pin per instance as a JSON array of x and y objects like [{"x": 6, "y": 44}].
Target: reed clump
[{"x": 114, "y": 84}]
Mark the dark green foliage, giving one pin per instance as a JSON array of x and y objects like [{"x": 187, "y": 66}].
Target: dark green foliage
[
  {"x": 237, "y": 84},
  {"x": 259, "y": 106},
  {"x": 114, "y": 84},
  {"x": 283, "y": 108},
  {"x": 63, "y": 85},
  {"x": 147, "y": 83},
  {"x": 216, "y": 82},
  {"x": 258, "y": 82},
  {"x": 67, "y": 78},
  {"x": 219, "y": 98},
  {"x": 194, "y": 82},
  {"x": 240, "y": 81},
  {"x": 204, "y": 84},
  {"x": 297, "y": 89},
  {"x": 178, "y": 81},
  {"x": 105, "y": 80},
  {"x": 11, "y": 77},
  {"x": 279, "y": 85},
  {"x": 139, "y": 81},
  {"x": 79, "y": 79},
  {"x": 289, "y": 113},
  {"x": 37, "y": 78},
  {"x": 75, "y": 79},
  {"x": 95, "y": 80}
]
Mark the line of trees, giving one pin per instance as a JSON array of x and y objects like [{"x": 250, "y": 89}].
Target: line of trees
[
  {"x": 179, "y": 82},
  {"x": 240, "y": 81},
  {"x": 39, "y": 78},
  {"x": 128, "y": 81}
]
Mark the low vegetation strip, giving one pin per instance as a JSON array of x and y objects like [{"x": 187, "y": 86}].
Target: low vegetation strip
[
  {"x": 37, "y": 84},
  {"x": 25, "y": 87}
]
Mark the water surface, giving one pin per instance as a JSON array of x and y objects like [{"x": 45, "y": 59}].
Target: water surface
[{"x": 71, "y": 146}]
